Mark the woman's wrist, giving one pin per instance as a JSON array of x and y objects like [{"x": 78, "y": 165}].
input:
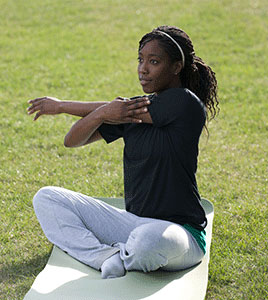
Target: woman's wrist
[
  {"x": 60, "y": 107},
  {"x": 101, "y": 113}
]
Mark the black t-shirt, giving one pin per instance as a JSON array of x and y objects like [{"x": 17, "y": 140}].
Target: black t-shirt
[{"x": 160, "y": 159}]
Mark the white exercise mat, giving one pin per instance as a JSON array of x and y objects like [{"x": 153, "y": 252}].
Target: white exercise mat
[{"x": 65, "y": 278}]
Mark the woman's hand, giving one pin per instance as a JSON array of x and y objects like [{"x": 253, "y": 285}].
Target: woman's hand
[
  {"x": 44, "y": 106},
  {"x": 123, "y": 110}
]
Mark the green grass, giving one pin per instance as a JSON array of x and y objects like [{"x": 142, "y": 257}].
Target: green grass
[{"x": 87, "y": 50}]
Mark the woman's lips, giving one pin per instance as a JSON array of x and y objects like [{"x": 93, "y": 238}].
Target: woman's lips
[{"x": 144, "y": 81}]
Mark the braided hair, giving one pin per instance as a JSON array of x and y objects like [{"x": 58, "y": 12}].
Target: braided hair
[{"x": 195, "y": 75}]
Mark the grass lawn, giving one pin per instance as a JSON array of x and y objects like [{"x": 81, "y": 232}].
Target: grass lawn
[{"x": 87, "y": 50}]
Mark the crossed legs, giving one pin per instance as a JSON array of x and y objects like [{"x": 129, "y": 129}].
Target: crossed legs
[{"x": 110, "y": 239}]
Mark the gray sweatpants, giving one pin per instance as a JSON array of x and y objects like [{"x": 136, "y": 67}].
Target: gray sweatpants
[{"x": 91, "y": 231}]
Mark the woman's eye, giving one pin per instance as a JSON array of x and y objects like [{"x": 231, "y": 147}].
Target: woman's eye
[
  {"x": 154, "y": 62},
  {"x": 140, "y": 59}
]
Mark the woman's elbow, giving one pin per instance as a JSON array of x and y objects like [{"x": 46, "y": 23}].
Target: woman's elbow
[{"x": 69, "y": 143}]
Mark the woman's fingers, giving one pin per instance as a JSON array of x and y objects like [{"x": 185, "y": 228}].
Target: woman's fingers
[
  {"x": 35, "y": 105},
  {"x": 138, "y": 103},
  {"x": 38, "y": 114},
  {"x": 133, "y": 120},
  {"x": 36, "y": 100},
  {"x": 33, "y": 109},
  {"x": 131, "y": 108},
  {"x": 139, "y": 106},
  {"x": 137, "y": 111}
]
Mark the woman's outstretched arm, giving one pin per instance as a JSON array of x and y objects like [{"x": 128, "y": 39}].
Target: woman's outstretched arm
[{"x": 54, "y": 106}]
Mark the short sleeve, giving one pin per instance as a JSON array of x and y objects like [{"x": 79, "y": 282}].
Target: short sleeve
[
  {"x": 174, "y": 104},
  {"x": 111, "y": 133}
]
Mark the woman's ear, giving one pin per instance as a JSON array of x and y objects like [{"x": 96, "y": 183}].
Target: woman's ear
[{"x": 177, "y": 67}]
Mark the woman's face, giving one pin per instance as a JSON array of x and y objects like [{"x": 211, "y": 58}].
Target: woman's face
[{"x": 155, "y": 69}]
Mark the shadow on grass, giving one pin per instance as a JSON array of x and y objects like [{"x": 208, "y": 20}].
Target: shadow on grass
[{"x": 16, "y": 271}]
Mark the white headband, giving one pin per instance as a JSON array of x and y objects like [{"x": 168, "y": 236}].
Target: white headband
[{"x": 182, "y": 54}]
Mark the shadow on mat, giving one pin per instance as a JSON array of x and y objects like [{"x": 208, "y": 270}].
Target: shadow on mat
[{"x": 134, "y": 286}]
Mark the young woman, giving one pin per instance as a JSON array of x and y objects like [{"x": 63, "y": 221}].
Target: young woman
[{"x": 164, "y": 223}]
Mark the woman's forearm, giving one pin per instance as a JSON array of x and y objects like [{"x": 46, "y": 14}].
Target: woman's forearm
[
  {"x": 77, "y": 108},
  {"x": 81, "y": 132}
]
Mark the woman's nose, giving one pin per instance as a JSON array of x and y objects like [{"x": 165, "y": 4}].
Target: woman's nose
[{"x": 143, "y": 68}]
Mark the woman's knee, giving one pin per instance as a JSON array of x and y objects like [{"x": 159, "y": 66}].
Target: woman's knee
[
  {"x": 162, "y": 236},
  {"x": 151, "y": 246},
  {"x": 43, "y": 197},
  {"x": 141, "y": 240},
  {"x": 144, "y": 249},
  {"x": 58, "y": 198}
]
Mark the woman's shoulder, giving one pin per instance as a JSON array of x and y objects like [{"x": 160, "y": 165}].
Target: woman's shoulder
[{"x": 182, "y": 95}]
